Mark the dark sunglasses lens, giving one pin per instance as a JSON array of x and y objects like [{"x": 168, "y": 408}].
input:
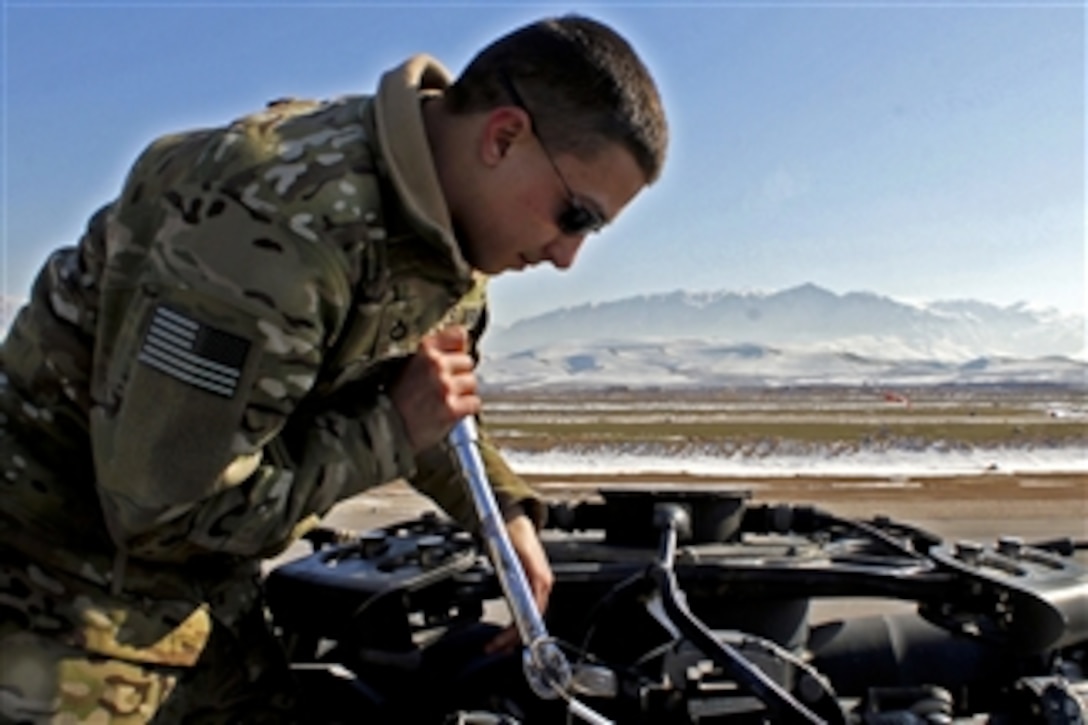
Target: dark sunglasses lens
[{"x": 577, "y": 219}]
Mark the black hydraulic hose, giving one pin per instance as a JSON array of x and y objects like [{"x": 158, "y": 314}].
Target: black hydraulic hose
[{"x": 1064, "y": 546}]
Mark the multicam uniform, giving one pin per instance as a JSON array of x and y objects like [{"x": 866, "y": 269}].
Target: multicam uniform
[{"x": 200, "y": 380}]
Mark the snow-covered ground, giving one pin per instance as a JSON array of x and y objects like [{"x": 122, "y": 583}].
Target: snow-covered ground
[{"x": 885, "y": 464}]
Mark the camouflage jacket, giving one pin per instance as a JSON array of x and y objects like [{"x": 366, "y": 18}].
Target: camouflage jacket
[{"x": 203, "y": 375}]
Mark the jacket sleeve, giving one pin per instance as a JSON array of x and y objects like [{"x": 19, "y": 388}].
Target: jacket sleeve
[{"x": 219, "y": 300}]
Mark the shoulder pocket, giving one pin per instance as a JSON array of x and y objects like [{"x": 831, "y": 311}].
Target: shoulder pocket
[{"x": 178, "y": 380}]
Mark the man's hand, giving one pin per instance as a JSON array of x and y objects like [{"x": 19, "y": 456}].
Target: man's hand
[
  {"x": 436, "y": 388},
  {"x": 538, "y": 571}
]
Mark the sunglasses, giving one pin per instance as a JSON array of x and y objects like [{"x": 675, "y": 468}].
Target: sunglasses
[{"x": 576, "y": 218}]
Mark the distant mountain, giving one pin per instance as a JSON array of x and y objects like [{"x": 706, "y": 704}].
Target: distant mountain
[
  {"x": 800, "y": 336},
  {"x": 803, "y": 335},
  {"x": 862, "y": 322},
  {"x": 696, "y": 364}
]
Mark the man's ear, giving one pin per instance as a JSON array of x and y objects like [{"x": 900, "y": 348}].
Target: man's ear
[{"x": 503, "y": 127}]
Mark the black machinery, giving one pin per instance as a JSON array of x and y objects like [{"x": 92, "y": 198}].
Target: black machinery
[{"x": 692, "y": 605}]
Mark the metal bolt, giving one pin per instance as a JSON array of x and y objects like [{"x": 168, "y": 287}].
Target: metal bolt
[
  {"x": 1010, "y": 546},
  {"x": 430, "y": 549},
  {"x": 969, "y": 552},
  {"x": 371, "y": 543}
]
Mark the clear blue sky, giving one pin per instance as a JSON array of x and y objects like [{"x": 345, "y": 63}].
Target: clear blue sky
[{"x": 922, "y": 150}]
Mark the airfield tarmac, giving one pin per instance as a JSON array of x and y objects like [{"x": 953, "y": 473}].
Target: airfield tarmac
[{"x": 978, "y": 507}]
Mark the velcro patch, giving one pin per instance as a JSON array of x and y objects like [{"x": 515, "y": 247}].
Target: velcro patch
[{"x": 193, "y": 352}]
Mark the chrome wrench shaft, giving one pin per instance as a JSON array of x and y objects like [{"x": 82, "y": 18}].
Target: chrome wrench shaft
[{"x": 546, "y": 667}]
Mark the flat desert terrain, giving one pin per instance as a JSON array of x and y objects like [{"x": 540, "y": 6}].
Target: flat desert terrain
[{"x": 863, "y": 428}]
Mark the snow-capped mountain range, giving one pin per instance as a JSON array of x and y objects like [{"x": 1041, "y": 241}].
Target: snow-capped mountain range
[{"x": 806, "y": 335}]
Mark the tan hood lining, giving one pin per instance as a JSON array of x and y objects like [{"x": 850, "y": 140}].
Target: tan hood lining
[{"x": 403, "y": 140}]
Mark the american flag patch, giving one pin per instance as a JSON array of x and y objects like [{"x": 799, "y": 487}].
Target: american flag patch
[{"x": 193, "y": 352}]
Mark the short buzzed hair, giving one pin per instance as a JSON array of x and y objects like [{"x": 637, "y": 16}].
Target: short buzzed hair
[{"x": 583, "y": 83}]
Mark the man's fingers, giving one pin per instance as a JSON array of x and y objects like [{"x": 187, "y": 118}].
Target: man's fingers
[
  {"x": 448, "y": 339},
  {"x": 461, "y": 383},
  {"x": 458, "y": 363},
  {"x": 542, "y": 593},
  {"x": 437, "y": 387}
]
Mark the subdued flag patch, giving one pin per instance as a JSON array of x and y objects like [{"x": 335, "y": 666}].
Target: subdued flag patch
[{"x": 193, "y": 352}]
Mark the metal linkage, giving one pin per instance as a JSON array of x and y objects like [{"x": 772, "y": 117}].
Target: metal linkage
[{"x": 671, "y": 520}]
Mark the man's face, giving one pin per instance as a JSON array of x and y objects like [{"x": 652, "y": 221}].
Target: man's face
[{"x": 524, "y": 214}]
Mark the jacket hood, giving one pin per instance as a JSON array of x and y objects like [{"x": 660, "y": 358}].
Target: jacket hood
[{"x": 402, "y": 138}]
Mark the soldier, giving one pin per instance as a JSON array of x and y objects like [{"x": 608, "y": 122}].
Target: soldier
[{"x": 273, "y": 316}]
